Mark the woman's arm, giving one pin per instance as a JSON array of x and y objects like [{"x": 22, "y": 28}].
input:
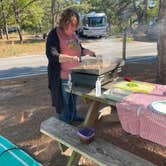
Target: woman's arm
[
  {"x": 86, "y": 51},
  {"x": 66, "y": 58}
]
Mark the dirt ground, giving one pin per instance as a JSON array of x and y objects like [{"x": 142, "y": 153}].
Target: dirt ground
[{"x": 25, "y": 103}]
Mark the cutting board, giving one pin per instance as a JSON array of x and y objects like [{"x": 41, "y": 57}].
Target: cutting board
[{"x": 135, "y": 86}]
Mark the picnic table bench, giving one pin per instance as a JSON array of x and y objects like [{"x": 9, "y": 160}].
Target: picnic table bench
[{"x": 99, "y": 151}]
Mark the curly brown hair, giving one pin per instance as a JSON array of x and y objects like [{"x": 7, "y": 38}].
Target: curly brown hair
[{"x": 69, "y": 16}]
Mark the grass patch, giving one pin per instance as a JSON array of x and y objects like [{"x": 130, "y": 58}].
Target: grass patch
[
  {"x": 30, "y": 46},
  {"x": 128, "y": 39}
]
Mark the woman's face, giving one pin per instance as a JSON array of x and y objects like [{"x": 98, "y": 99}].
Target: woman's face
[{"x": 71, "y": 27}]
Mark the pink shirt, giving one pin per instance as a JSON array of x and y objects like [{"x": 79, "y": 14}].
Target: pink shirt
[{"x": 69, "y": 45}]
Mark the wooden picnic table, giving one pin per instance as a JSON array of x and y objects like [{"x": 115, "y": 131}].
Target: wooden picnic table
[{"x": 107, "y": 156}]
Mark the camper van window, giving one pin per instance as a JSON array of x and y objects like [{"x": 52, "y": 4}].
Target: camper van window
[{"x": 96, "y": 21}]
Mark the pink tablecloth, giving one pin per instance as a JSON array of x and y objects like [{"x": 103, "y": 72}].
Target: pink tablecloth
[{"x": 137, "y": 118}]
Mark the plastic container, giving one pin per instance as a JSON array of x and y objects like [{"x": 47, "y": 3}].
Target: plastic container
[{"x": 86, "y": 135}]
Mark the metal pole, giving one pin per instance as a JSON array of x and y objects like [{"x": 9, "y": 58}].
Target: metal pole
[{"x": 124, "y": 44}]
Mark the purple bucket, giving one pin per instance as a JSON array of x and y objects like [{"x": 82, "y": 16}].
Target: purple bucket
[{"x": 86, "y": 135}]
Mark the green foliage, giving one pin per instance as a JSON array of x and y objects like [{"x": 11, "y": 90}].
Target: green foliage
[
  {"x": 114, "y": 30},
  {"x": 8, "y": 11},
  {"x": 31, "y": 18},
  {"x": 35, "y": 15},
  {"x": 153, "y": 12}
]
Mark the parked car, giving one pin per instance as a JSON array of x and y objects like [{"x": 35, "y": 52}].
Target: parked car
[{"x": 12, "y": 29}]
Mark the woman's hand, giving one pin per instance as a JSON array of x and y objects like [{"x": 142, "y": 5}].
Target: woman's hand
[
  {"x": 88, "y": 52},
  {"x": 75, "y": 58}
]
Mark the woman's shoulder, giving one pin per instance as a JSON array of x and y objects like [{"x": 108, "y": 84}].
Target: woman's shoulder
[
  {"x": 52, "y": 38},
  {"x": 52, "y": 34},
  {"x": 53, "y": 31}
]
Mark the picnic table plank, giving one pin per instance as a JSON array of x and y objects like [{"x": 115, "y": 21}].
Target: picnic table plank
[
  {"x": 89, "y": 93},
  {"x": 99, "y": 151}
]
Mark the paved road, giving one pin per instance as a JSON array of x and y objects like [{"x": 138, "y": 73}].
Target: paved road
[
  {"x": 36, "y": 64},
  {"x": 113, "y": 47},
  {"x": 22, "y": 66}
]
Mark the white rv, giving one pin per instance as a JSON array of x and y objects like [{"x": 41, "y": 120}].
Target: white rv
[{"x": 93, "y": 25}]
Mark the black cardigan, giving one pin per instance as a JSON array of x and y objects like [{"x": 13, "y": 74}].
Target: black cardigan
[{"x": 54, "y": 81}]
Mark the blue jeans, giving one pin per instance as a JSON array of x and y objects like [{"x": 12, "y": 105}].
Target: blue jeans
[{"x": 69, "y": 112}]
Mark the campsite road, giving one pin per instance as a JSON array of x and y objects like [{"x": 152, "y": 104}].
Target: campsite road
[{"x": 36, "y": 64}]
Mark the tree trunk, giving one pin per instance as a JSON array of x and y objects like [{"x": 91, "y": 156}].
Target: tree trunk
[
  {"x": 1, "y": 33},
  {"x": 4, "y": 20},
  {"x": 56, "y": 15},
  {"x": 124, "y": 44},
  {"x": 53, "y": 12},
  {"x": 145, "y": 11},
  {"x": 17, "y": 20},
  {"x": 138, "y": 11},
  {"x": 161, "y": 72}
]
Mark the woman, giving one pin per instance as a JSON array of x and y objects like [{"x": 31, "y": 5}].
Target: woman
[{"x": 63, "y": 51}]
